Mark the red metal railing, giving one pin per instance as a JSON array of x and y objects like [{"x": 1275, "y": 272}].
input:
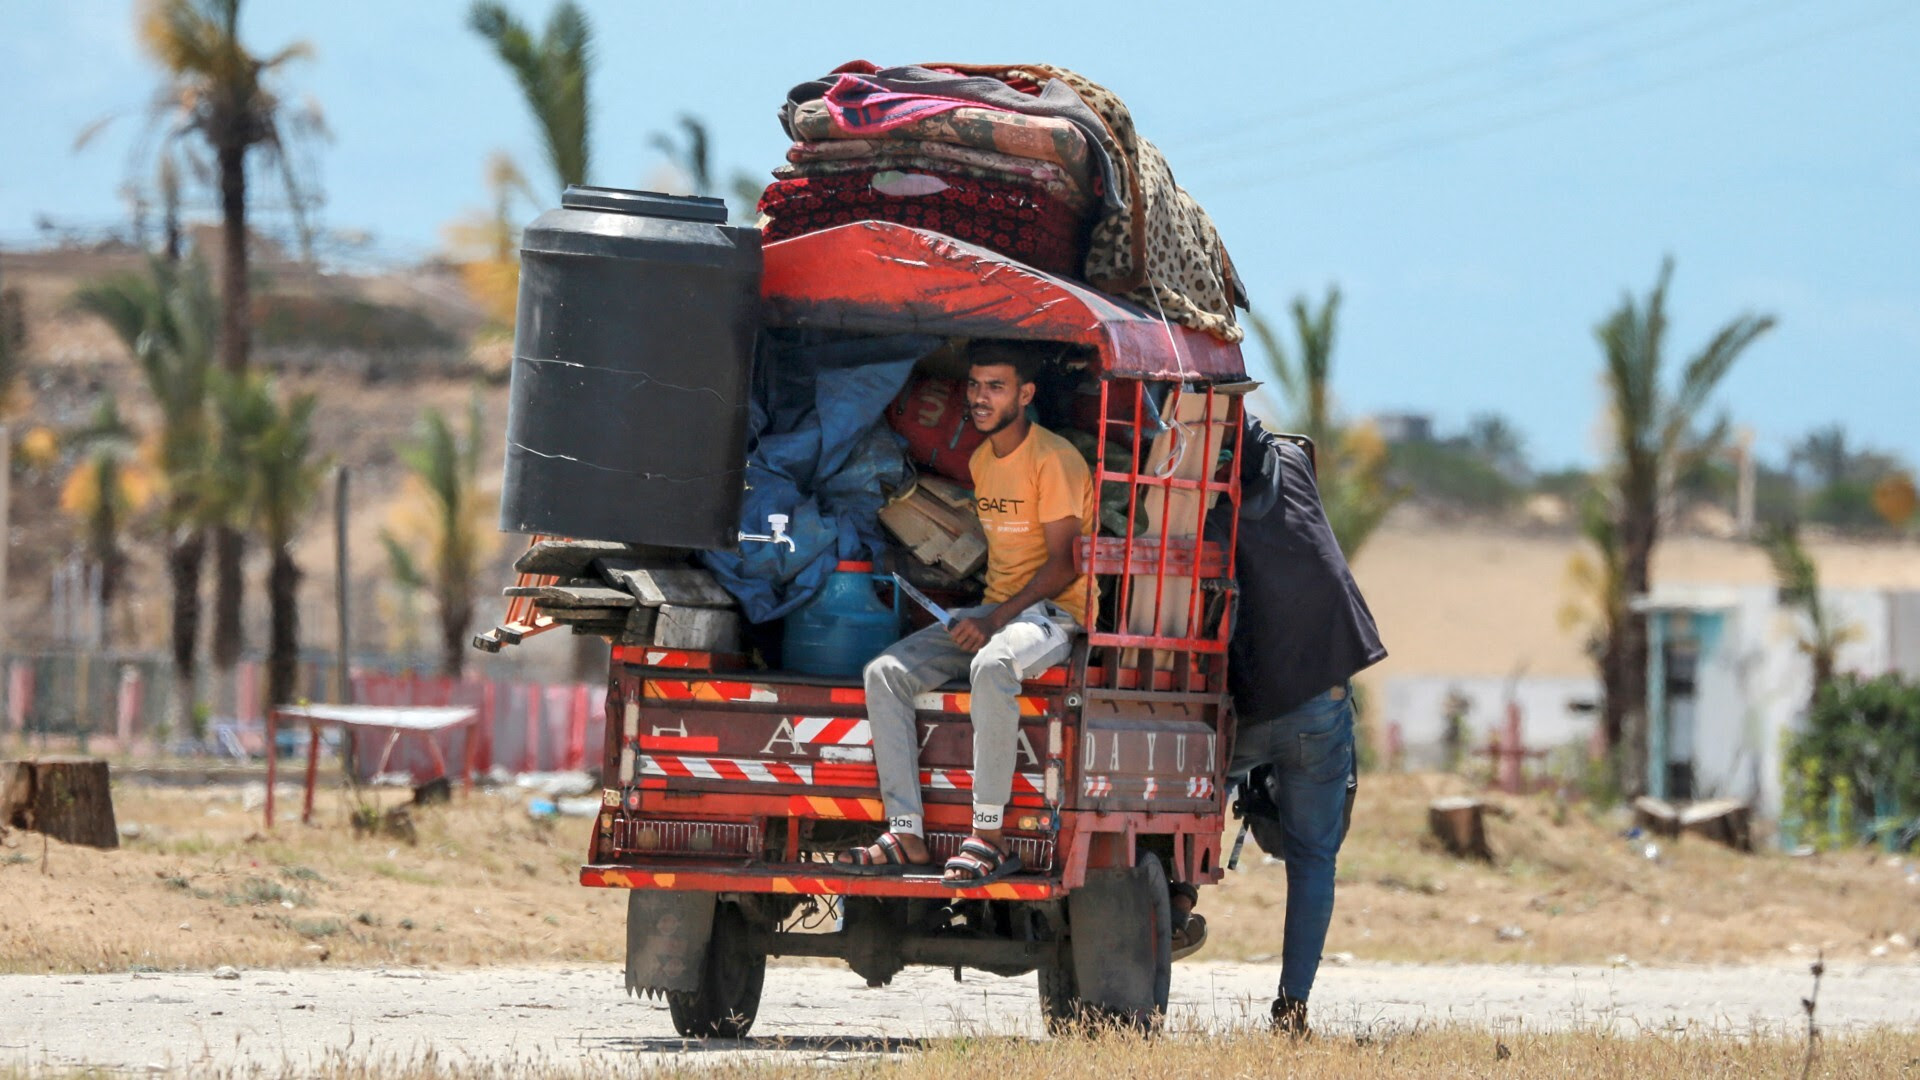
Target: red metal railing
[{"x": 1200, "y": 643}]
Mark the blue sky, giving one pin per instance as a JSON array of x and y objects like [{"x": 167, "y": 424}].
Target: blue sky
[{"x": 1483, "y": 180}]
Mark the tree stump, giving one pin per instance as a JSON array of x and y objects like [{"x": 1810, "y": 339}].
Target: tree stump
[
  {"x": 1724, "y": 821},
  {"x": 1656, "y": 816},
  {"x": 68, "y": 799},
  {"x": 1460, "y": 825}
]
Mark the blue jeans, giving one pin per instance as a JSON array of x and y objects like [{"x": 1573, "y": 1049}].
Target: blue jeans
[{"x": 1311, "y": 752}]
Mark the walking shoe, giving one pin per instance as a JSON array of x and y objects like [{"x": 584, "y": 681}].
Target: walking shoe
[{"x": 1290, "y": 1018}]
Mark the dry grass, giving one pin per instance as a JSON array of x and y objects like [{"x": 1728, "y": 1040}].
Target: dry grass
[
  {"x": 1447, "y": 1052},
  {"x": 200, "y": 886},
  {"x": 1576, "y": 891}
]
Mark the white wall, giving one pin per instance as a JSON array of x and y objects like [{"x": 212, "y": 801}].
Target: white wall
[
  {"x": 1418, "y": 704},
  {"x": 1752, "y": 689},
  {"x": 1755, "y": 686}
]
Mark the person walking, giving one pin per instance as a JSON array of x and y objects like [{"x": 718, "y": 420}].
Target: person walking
[{"x": 1301, "y": 632}]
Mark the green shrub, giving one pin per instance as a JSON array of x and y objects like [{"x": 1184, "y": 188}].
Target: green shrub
[{"x": 1861, "y": 747}]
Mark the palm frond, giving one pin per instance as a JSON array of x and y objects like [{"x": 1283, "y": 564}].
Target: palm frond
[
  {"x": 127, "y": 302},
  {"x": 1276, "y": 357},
  {"x": 401, "y": 563},
  {"x": 1707, "y": 368},
  {"x": 552, "y": 73}
]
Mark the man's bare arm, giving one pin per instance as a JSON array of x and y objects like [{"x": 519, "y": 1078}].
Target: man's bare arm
[{"x": 1054, "y": 575}]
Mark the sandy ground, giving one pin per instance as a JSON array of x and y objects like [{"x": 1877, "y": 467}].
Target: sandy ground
[
  {"x": 202, "y": 885},
  {"x": 513, "y": 1016}
]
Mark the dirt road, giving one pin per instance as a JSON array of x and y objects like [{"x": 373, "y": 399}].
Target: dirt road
[{"x": 578, "y": 1015}]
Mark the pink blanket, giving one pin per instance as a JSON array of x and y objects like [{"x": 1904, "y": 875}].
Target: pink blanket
[{"x": 863, "y": 107}]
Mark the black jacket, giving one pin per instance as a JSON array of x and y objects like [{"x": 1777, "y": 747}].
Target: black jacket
[{"x": 1302, "y": 626}]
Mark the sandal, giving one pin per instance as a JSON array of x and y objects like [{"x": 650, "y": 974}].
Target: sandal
[
  {"x": 1190, "y": 937},
  {"x": 892, "y": 860},
  {"x": 979, "y": 863}
]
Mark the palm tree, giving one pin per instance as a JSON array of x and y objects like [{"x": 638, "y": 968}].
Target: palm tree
[
  {"x": 104, "y": 491},
  {"x": 283, "y": 478},
  {"x": 408, "y": 581},
  {"x": 1798, "y": 581},
  {"x": 691, "y": 154},
  {"x": 221, "y": 91},
  {"x": 13, "y": 340},
  {"x": 485, "y": 248},
  {"x": 446, "y": 472},
  {"x": 552, "y": 73},
  {"x": 1352, "y": 459},
  {"x": 169, "y": 319},
  {"x": 1654, "y": 440}
]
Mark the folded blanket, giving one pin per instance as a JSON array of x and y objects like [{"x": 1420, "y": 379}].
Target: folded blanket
[
  {"x": 898, "y": 153},
  {"x": 1041, "y": 138},
  {"x": 1162, "y": 250},
  {"x": 865, "y": 107},
  {"x": 1011, "y": 218},
  {"x": 1151, "y": 242},
  {"x": 1043, "y": 177}
]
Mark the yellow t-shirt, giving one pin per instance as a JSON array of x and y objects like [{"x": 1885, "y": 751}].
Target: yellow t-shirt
[{"x": 1044, "y": 479}]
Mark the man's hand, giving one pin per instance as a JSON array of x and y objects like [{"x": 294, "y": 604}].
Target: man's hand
[{"x": 973, "y": 634}]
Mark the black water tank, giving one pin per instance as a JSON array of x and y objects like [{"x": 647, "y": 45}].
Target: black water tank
[{"x": 631, "y": 357}]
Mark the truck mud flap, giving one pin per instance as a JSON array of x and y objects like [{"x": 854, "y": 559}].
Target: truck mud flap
[
  {"x": 1120, "y": 940},
  {"x": 667, "y": 935}
]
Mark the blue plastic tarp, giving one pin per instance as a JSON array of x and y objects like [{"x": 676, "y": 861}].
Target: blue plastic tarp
[{"x": 818, "y": 452}]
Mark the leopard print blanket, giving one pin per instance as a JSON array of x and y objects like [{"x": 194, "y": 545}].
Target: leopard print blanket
[{"x": 1154, "y": 245}]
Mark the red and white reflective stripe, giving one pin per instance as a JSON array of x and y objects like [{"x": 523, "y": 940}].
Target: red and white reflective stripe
[
  {"x": 708, "y": 690},
  {"x": 963, "y": 703},
  {"x": 832, "y": 731},
  {"x": 704, "y": 768},
  {"x": 823, "y": 774},
  {"x": 1196, "y": 787},
  {"x": 962, "y": 780}
]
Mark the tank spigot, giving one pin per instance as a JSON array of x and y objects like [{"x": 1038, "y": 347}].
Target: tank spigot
[{"x": 778, "y": 524}]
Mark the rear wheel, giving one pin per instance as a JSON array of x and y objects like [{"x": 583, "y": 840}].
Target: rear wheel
[
  {"x": 731, "y": 977},
  {"x": 1060, "y": 993},
  {"x": 1117, "y": 965}
]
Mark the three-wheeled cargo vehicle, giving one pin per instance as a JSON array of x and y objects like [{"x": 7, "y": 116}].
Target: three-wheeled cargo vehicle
[{"x": 729, "y": 788}]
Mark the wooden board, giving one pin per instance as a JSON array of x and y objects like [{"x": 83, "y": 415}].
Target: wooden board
[
  {"x": 653, "y": 586},
  {"x": 937, "y": 522},
  {"x": 701, "y": 629},
  {"x": 571, "y": 558},
  {"x": 560, "y": 597},
  {"x": 617, "y": 615}
]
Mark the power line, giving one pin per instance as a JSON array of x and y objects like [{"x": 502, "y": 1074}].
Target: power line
[
  {"x": 1637, "y": 49},
  {"x": 1334, "y": 103},
  {"x": 1499, "y": 124}
]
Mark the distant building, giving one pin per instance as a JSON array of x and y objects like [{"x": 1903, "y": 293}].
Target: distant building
[
  {"x": 1398, "y": 428},
  {"x": 1727, "y": 679}
]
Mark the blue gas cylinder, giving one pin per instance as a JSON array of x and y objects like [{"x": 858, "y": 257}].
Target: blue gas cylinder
[{"x": 839, "y": 631}]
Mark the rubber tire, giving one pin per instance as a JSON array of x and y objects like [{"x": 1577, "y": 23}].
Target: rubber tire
[
  {"x": 731, "y": 978},
  {"x": 1108, "y": 894},
  {"x": 1060, "y": 994}
]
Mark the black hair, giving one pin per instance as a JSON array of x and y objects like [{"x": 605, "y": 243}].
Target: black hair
[{"x": 1026, "y": 358}]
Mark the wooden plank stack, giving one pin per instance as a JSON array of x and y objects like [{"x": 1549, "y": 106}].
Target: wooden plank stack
[
  {"x": 935, "y": 519},
  {"x": 629, "y": 594}
]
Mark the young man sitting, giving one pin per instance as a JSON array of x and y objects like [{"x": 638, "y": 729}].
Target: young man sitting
[{"x": 1036, "y": 500}]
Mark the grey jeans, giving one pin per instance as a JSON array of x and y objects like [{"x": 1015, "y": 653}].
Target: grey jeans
[{"x": 1037, "y": 639}]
